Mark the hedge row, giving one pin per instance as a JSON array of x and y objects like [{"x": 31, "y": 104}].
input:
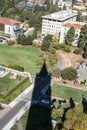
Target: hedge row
[
  {"x": 14, "y": 88},
  {"x": 9, "y": 97}
]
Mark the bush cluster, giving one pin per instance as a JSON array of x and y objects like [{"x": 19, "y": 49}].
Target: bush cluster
[
  {"x": 16, "y": 67},
  {"x": 62, "y": 46}
]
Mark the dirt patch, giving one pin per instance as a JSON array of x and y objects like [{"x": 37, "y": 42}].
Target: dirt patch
[{"x": 70, "y": 59}]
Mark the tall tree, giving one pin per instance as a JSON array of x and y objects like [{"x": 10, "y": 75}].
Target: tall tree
[
  {"x": 78, "y": 18},
  {"x": 46, "y": 42},
  {"x": 70, "y": 36},
  {"x": 83, "y": 37}
]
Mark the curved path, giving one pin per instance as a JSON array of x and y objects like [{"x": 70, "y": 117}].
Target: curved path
[{"x": 63, "y": 60}]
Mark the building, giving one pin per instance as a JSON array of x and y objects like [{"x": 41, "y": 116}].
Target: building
[
  {"x": 52, "y": 23},
  {"x": 10, "y": 27},
  {"x": 77, "y": 26},
  {"x": 38, "y": 1}
]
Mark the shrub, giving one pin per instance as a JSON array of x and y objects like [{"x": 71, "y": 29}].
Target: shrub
[
  {"x": 56, "y": 46},
  {"x": 62, "y": 46},
  {"x": 67, "y": 49},
  {"x": 10, "y": 42},
  {"x": 77, "y": 51},
  {"x": 52, "y": 50},
  {"x": 56, "y": 72},
  {"x": 69, "y": 73},
  {"x": 52, "y": 59}
]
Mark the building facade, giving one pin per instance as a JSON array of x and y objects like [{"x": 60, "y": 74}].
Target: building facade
[{"x": 52, "y": 23}]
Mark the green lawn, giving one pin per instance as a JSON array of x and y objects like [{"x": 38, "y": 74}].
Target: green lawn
[
  {"x": 67, "y": 92},
  {"x": 6, "y": 83},
  {"x": 24, "y": 56}
]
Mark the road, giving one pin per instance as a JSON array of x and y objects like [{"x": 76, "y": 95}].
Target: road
[
  {"x": 5, "y": 120},
  {"x": 17, "y": 109}
]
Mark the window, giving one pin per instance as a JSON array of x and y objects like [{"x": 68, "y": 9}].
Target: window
[{"x": 9, "y": 29}]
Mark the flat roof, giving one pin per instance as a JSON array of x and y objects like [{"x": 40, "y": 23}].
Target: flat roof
[{"x": 60, "y": 15}]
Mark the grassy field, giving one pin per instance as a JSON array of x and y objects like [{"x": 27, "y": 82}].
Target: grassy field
[
  {"x": 24, "y": 56},
  {"x": 67, "y": 92}
]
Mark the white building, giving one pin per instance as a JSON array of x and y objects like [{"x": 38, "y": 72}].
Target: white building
[
  {"x": 52, "y": 23},
  {"x": 77, "y": 26},
  {"x": 10, "y": 27}
]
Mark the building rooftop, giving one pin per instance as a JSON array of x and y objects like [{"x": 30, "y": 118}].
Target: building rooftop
[
  {"x": 8, "y": 21},
  {"x": 61, "y": 15}
]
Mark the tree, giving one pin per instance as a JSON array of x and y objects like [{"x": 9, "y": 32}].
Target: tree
[
  {"x": 46, "y": 42},
  {"x": 21, "y": 39},
  {"x": 75, "y": 119},
  {"x": 69, "y": 73},
  {"x": 85, "y": 51},
  {"x": 83, "y": 37},
  {"x": 78, "y": 18},
  {"x": 70, "y": 36},
  {"x": 55, "y": 37},
  {"x": 29, "y": 40},
  {"x": 34, "y": 35},
  {"x": 64, "y": 7}
]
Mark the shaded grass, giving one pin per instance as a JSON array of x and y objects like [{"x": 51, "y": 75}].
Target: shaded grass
[
  {"x": 67, "y": 92},
  {"x": 23, "y": 56}
]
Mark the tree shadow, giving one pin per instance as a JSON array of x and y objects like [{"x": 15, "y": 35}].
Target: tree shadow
[
  {"x": 39, "y": 117},
  {"x": 84, "y": 104},
  {"x": 72, "y": 105}
]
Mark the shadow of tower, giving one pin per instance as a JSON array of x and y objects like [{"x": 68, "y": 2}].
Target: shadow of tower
[{"x": 39, "y": 117}]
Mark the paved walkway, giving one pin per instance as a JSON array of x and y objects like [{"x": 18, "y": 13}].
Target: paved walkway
[{"x": 63, "y": 60}]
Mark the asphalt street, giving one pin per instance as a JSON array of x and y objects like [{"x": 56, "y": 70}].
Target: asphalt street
[{"x": 4, "y": 120}]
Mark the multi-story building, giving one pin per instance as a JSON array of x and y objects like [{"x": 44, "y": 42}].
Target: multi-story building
[
  {"x": 77, "y": 26},
  {"x": 52, "y": 23}
]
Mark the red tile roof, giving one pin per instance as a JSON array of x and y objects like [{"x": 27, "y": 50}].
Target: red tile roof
[
  {"x": 8, "y": 21},
  {"x": 75, "y": 25}
]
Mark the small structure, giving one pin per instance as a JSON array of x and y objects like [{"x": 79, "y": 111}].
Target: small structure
[
  {"x": 10, "y": 27},
  {"x": 13, "y": 76}
]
